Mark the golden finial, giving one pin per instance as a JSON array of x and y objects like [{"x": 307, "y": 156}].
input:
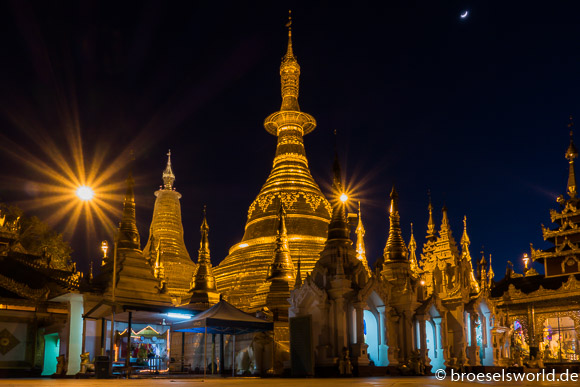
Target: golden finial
[
  {"x": 430, "y": 223},
  {"x": 204, "y": 229},
  {"x": 360, "y": 244},
  {"x": 445, "y": 219},
  {"x": 412, "y": 252},
  {"x": 526, "y": 260},
  {"x": 289, "y": 24},
  {"x": 571, "y": 154},
  {"x": 395, "y": 248},
  {"x": 168, "y": 176},
  {"x": 465, "y": 238}
]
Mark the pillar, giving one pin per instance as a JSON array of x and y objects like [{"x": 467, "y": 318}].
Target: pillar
[
  {"x": 75, "y": 341},
  {"x": 128, "y": 356},
  {"x": 341, "y": 331},
  {"x": 360, "y": 348},
  {"x": 222, "y": 355},
  {"x": 392, "y": 333},
  {"x": 473, "y": 350},
  {"x": 383, "y": 357},
  {"x": 423, "y": 351}
]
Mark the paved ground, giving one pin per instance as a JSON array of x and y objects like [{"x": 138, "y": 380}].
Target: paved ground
[{"x": 257, "y": 382}]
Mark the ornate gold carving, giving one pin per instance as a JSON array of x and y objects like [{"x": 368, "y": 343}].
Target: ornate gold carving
[
  {"x": 289, "y": 199},
  {"x": 290, "y": 157},
  {"x": 23, "y": 289}
]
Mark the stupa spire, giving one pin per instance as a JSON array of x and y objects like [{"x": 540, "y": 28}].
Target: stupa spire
[
  {"x": 338, "y": 228},
  {"x": 412, "y": 252},
  {"x": 298, "y": 282},
  {"x": 204, "y": 243},
  {"x": 444, "y": 220},
  {"x": 465, "y": 242},
  {"x": 395, "y": 250},
  {"x": 490, "y": 274},
  {"x": 128, "y": 237},
  {"x": 571, "y": 154},
  {"x": 290, "y": 74},
  {"x": 430, "y": 223},
  {"x": 203, "y": 278},
  {"x": 168, "y": 176},
  {"x": 483, "y": 283},
  {"x": 281, "y": 267},
  {"x": 360, "y": 243}
]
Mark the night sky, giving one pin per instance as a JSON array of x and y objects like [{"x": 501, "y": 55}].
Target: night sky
[{"x": 474, "y": 109}]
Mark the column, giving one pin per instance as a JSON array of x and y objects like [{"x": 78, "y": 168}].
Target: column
[
  {"x": 392, "y": 333},
  {"x": 326, "y": 331},
  {"x": 340, "y": 325},
  {"x": 439, "y": 340},
  {"x": 128, "y": 355},
  {"x": 360, "y": 348},
  {"x": 383, "y": 357},
  {"x": 408, "y": 335},
  {"x": 75, "y": 341},
  {"x": 424, "y": 351},
  {"x": 474, "y": 357}
]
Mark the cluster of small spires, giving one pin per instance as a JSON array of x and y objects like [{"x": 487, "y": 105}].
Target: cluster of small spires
[{"x": 282, "y": 267}]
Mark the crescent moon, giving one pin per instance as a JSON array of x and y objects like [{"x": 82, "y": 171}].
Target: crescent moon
[{"x": 464, "y": 15}]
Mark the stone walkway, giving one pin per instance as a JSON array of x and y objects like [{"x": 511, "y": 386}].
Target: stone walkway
[{"x": 258, "y": 382}]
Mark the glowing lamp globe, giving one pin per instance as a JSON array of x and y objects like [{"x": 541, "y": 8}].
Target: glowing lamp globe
[
  {"x": 85, "y": 193},
  {"x": 343, "y": 198}
]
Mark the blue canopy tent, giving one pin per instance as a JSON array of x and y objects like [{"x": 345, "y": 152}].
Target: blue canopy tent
[{"x": 223, "y": 318}]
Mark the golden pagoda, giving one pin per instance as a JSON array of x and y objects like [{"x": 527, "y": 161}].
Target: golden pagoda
[
  {"x": 166, "y": 237},
  {"x": 563, "y": 258},
  {"x": 291, "y": 184}
]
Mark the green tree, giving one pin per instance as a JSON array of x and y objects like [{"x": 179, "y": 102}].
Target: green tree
[{"x": 39, "y": 239}]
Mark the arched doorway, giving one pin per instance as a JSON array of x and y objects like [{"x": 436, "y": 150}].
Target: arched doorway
[
  {"x": 371, "y": 329},
  {"x": 51, "y": 351}
]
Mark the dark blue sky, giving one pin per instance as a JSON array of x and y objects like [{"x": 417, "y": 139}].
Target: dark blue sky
[{"x": 474, "y": 110}]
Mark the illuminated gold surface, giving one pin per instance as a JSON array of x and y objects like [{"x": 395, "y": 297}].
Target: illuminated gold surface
[
  {"x": 412, "y": 253},
  {"x": 166, "y": 231},
  {"x": 290, "y": 183},
  {"x": 203, "y": 287},
  {"x": 137, "y": 278},
  {"x": 275, "y": 291},
  {"x": 447, "y": 271},
  {"x": 395, "y": 248},
  {"x": 360, "y": 243},
  {"x": 465, "y": 242}
]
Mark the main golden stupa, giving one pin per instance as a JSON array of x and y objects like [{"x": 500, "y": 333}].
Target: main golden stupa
[{"x": 290, "y": 183}]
